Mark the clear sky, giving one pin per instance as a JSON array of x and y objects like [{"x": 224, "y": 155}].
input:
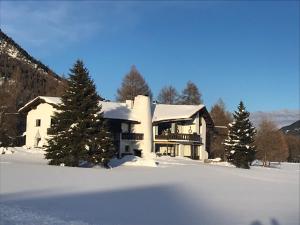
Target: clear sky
[{"x": 237, "y": 50}]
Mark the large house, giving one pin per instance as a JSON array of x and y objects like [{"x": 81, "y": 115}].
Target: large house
[{"x": 138, "y": 126}]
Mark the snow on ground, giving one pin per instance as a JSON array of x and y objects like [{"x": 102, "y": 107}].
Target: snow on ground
[
  {"x": 177, "y": 191},
  {"x": 131, "y": 160}
]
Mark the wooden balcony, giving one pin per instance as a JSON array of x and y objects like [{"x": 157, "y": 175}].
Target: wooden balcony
[
  {"x": 132, "y": 136},
  {"x": 181, "y": 137}
]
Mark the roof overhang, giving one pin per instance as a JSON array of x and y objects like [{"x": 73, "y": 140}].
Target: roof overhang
[
  {"x": 202, "y": 112},
  {"x": 34, "y": 103},
  {"x": 171, "y": 120},
  {"x": 112, "y": 111},
  {"x": 205, "y": 114}
]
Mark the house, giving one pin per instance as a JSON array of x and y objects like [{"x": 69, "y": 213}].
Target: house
[{"x": 138, "y": 126}]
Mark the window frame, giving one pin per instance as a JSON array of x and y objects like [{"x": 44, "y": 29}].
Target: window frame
[{"x": 38, "y": 122}]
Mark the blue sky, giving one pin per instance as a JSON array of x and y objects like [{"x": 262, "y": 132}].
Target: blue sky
[{"x": 237, "y": 50}]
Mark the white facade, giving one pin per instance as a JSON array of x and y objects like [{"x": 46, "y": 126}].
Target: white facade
[
  {"x": 37, "y": 122},
  {"x": 143, "y": 128},
  {"x": 184, "y": 137}
]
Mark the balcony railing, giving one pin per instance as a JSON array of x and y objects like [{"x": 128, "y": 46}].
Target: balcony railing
[
  {"x": 132, "y": 136},
  {"x": 176, "y": 136}
]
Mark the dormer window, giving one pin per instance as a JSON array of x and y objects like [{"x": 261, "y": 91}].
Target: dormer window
[{"x": 38, "y": 123}]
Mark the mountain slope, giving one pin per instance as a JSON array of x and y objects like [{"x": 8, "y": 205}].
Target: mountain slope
[
  {"x": 10, "y": 48},
  {"x": 293, "y": 129},
  {"x": 281, "y": 117},
  {"x": 22, "y": 78}
]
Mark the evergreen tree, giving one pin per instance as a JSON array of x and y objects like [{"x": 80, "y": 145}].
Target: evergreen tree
[
  {"x": 239, "y": 146},
  {"x": 133, "y": 84},
  {"x": 79, "y": 134},
  {"x": 168, "y": 95},
  {"x": 190, "y": 95}
]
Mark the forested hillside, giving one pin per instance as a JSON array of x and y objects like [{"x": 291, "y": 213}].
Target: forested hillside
[
  {"x": 22, "y": 78},
  {"x": 292, "y": 129}
]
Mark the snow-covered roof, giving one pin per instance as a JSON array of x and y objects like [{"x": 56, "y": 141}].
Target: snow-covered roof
[
  {"x": 112, "y": 110},
  {"x": 46, "y": 99},
  {"x": 174, "y": 112},
  {"x": 51, "y": 100},
  {"x": 117, "y": 110}
]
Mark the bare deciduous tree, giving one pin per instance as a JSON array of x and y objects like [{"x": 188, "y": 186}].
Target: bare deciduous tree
[
  {"x": 293, "y": 143},
  {"x": 133, "y": 84},
  {"x": 221, "y": 119},
  {"x": 271, "y": 143},
  {"x": 190, "y": 95},
  {"x": 168, "y": 95}
]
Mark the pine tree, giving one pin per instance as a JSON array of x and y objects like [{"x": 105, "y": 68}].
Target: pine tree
[
  {"x": 190, "y": 95},
  {"x": 168, "y": 95},
  {"x": 79, "y": 134},
  {"x": 239, "y": 147},
  {"x": 133, "y": 84}
]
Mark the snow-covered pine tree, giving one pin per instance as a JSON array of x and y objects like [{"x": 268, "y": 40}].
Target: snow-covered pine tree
[
  {"x": 78, "y": 130},
  {"x": 239, "y": 148}
]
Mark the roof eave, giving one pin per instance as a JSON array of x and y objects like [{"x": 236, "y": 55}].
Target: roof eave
[{"x": 30, "y": 104}]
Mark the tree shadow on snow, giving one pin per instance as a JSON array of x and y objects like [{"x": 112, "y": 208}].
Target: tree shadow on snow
[
  {"x": 151, "y": 205},
  {"x": 156, "y": 205},
  {"x": 272, "y": 222}
]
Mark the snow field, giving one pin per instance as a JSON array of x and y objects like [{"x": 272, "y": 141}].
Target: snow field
[{"x": 177, "y": 191}]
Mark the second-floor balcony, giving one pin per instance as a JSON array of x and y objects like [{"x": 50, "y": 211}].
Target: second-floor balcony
[
  {"x": 132, "y": 136},
  {"x": 178, "y": 136}
]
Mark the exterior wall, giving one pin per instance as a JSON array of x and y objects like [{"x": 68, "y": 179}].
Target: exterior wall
[
  {"x": 188, "y": 128},
  {"x": 186, "y": 150},
  {"x": 133, "y": 144},
  {"x": 43, "y": 112},
  {"x": 137, "y": 128},
  {"x": 203, "y": 153},
  {"x": 196, "y": 125}
]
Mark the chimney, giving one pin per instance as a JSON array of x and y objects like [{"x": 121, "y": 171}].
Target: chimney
[{"x": 142, "y": 108}]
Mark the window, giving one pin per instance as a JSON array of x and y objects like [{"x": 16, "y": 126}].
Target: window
[
  {"x": 38, "y": 123},
  {"x": 126, "y": 148},
  {"x": 126, "y": 127}
]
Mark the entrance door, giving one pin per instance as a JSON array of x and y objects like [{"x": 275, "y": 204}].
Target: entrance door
[{"x": 194, "y": 152}]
